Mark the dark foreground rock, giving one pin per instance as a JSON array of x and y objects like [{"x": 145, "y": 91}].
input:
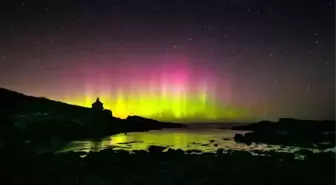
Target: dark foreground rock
[{"x": 171, "y": 167}]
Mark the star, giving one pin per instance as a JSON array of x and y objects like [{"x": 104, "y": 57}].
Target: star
[{"x": 270, "y": 45}]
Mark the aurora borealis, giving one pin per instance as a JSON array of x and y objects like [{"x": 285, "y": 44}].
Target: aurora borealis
[
  {"x": 182, "y": 61},
  {"x": 170, "y": 89}
]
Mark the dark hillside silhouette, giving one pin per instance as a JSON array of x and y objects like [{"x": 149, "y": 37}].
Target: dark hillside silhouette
[{"x": 41, "y": 117}]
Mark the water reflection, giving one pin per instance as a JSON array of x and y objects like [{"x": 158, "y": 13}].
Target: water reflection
[{"x": 186, "y": 139}]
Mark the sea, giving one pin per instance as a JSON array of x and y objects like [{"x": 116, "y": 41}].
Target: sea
[{"x": 196, "y": 140}]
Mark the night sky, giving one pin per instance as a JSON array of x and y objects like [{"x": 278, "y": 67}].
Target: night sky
[{"x": 197, "y": 60}]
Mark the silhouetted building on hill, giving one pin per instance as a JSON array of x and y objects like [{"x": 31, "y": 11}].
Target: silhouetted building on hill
[{"x": 98, "y": 105}]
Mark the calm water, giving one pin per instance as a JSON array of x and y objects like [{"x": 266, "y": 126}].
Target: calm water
[{"x": 186, "y": 139}]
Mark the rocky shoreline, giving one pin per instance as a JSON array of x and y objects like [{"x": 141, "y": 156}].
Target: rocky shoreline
[
  {"x": 290, "y": 132},
  {"x": 170, "y": 167}
]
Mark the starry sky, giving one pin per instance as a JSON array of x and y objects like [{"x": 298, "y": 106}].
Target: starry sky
[{"x": 186, "y": 60}]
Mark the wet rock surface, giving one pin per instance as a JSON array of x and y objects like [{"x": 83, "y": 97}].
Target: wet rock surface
[{"x": 170, "y": 167}]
